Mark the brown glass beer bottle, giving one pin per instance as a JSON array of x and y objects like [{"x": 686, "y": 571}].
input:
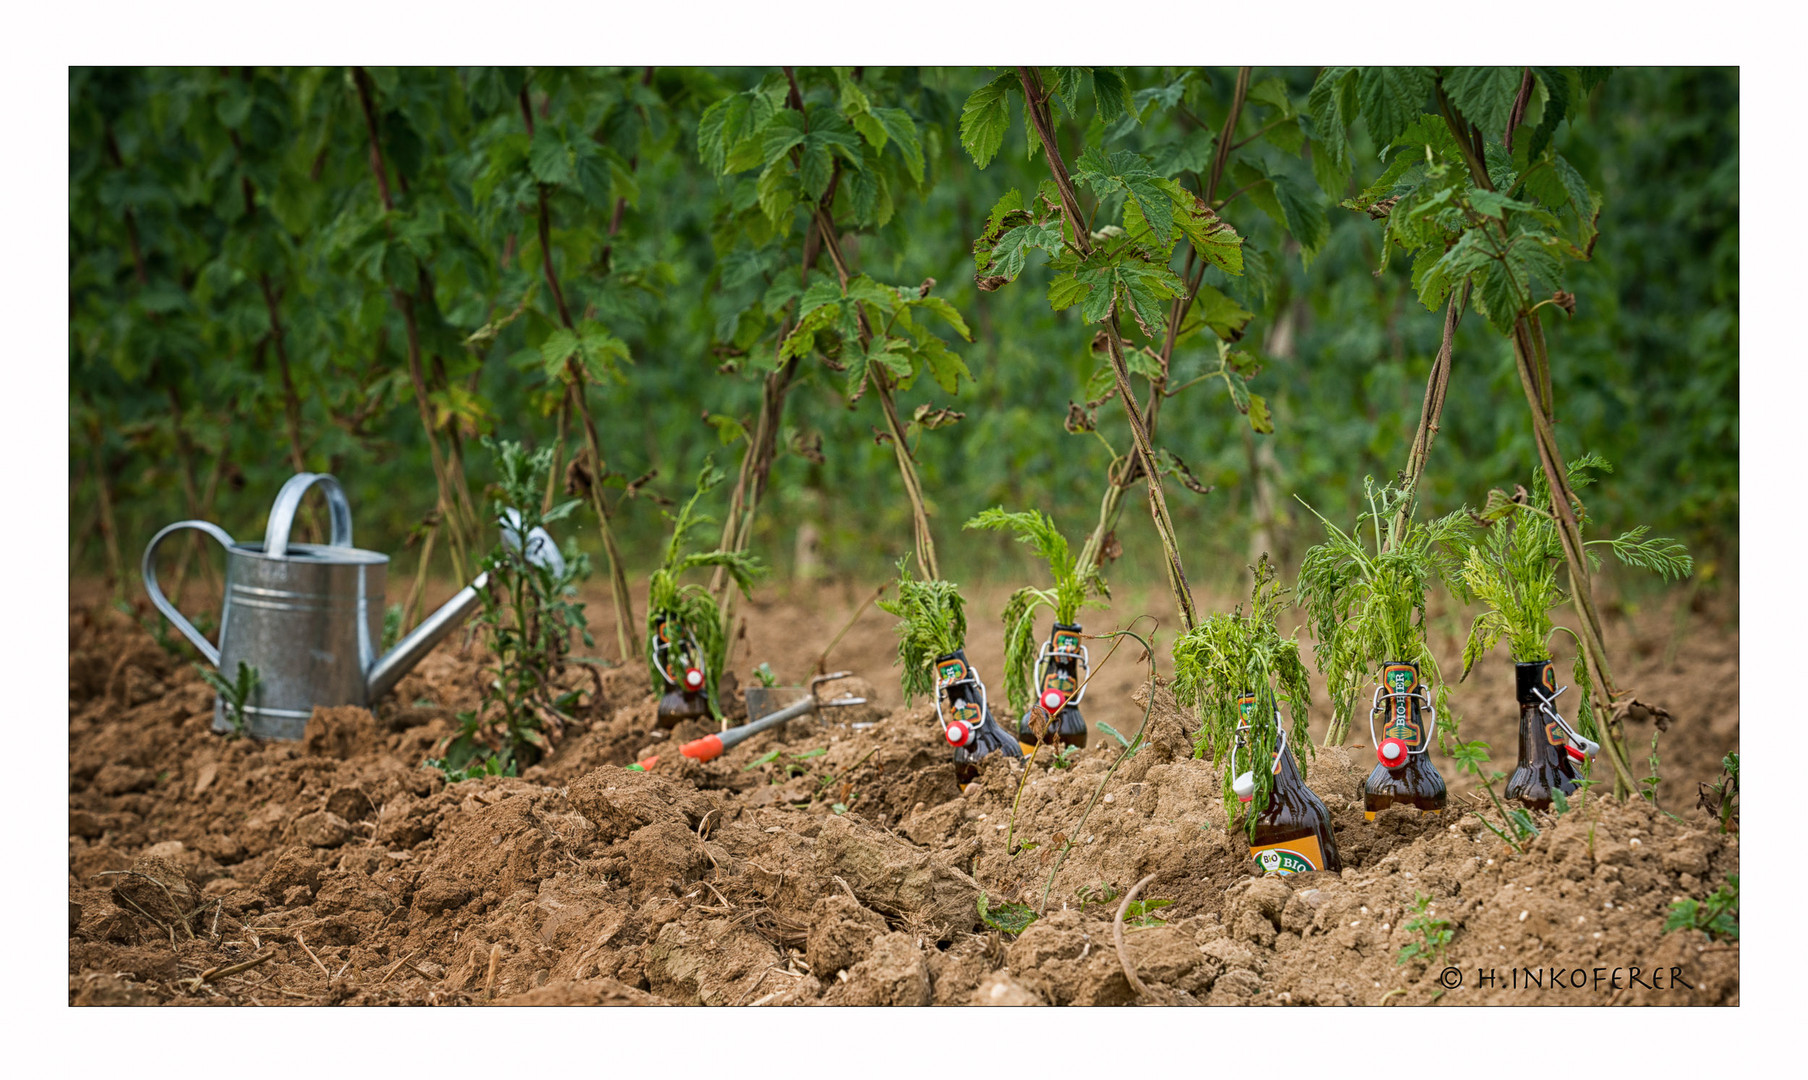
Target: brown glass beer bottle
[
  {"x": 1058, "y": 691},
  {"x": 1404, "y": 774},
  {"x": 967, "y": 724},
  {"x": 1548, "y": 756},
  {"x": 1293, "y": 832}
]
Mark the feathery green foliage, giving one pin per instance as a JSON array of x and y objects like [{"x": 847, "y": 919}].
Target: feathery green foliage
[
  {"x": 1514, "y": 572},
  {"x": 690, "y": 604},
  {"x": 1230, "y": 655},
  {"x": 1368, "y": 606},
  {"x": 1075, "y": 587},
  {"x": 932, "y": 621}
]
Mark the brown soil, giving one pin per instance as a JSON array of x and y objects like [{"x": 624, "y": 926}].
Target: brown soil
[{"x": 366, "y": 879}]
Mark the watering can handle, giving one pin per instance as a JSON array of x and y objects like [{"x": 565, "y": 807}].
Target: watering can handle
[
  {"x": 288, "y": 500},
  {"x": 162, "y": 603}
]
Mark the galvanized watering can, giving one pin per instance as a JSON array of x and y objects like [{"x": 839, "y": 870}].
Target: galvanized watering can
[{"x": 309, "y": 617}]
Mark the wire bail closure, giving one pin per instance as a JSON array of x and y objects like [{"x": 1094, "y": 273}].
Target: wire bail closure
[
  {"x": 1376, "y": 708},
  {"x": 1244, "y": 783},
  {"x": 1579, "y": 748},
  {"x": 971, "y": 678},
  {"x": 1047, "y": 656},
  {"x": 662, "y": 649}
]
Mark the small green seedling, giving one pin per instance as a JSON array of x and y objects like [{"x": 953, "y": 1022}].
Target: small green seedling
[
  {"x": 1122, "y": 740},
  {"x": 1142, "y": 913},
  {"x": 1722, "y": 799},
  {"x": 1066, "y": 757},
  {"x": 1434, "y": 933},
  {"x": 236, "y": 694},
  {"x": 765, "y": 675},
  {"x": 1717, "y": 916},
  {"x": 1103, "y": 894},
  {"x": 392, "y": 626},
  {"x": 1009, "y": 917},
  {"x": 1472, "y": 758}
]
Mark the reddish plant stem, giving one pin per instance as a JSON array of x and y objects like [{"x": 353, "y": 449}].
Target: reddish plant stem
[
  {"x": 1037, "y": 108},
  {"x": 627, "y": 632}
]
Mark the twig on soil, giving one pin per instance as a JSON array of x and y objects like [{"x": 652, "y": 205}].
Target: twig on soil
[
  {"x": 1117, "y": 924},
  {"x": 395, "y": 967},
  {"x": 850, "y": 889},
  {"x": 831, "y": 781},
  {"x": 719, "y": 896},
  {"x": 1389, "y": 994},
  {"x": 756, "y": 986},
  {"x": 767, "y": 998},
  {"x": 181, "y": 915},
  {"x": 489, "y": 981},
  {"x": 311, "y": 956},
  {"x": 211, "y": 974}
]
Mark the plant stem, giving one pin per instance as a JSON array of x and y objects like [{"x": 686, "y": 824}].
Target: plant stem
[
  {"x": 907, "y": 466},
  {"x": 627, "y": 633},
  {"x": 1569, "y": 532},
  {"x": 1436, "y": 386},
  {"x": 1037, "y": 107},
  {"x": 404, "y": 304}
]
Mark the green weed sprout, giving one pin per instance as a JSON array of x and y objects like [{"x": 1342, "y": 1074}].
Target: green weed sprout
[
  {"x": 1434, "y": 933},
  {"x": 690, "y": 605},
  {"x": 932, "y": 621},
  {"x": 1368, "y": 606},
  {"x": 1230, "y": 655},
  {"x": 1717, "y": 916},
  {"x": 236, "y": 695},
  {"x": 1514, "y": 572},
  {"x": 1075, "y": 587}
]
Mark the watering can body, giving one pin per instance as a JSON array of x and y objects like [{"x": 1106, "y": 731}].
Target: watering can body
[{"x": 308, "y": 618}]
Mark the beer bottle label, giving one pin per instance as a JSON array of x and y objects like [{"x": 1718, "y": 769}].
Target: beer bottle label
[
  {"x": 951, "y": 670},
  {"x": 1403, "y": 721},
  {"x": 1066, "y": 642},
  {"x": 1059, "y": 680},
  {"x": 1554, "y": 734},
  {"x": 1289, "y": 856}
]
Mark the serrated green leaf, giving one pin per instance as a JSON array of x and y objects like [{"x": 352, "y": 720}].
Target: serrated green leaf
[
  {"x": 556, "y": 349},
  {"x": 1112, "y": 94},
  {"x": 1391, "y": 98},
  {"x": 779, "y": 134},
  {"x": 1066, "y": 291},
  {"x": 986, "y": 117},
  {"x": 549, "y": 159},
  {"x": 1013, "y": 248},
  {"x": 1260, "y": 420},
  {"x": 903, "y": 131},
  {"x": 945, "y": 365},
  {"x": 1484, "y": 95}
]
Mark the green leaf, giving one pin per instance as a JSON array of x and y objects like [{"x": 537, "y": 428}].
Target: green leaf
[
  {"x": 945, "y": 365},
  {"x": 784, "y": 131},
  {"x": 556, "y": 349},
  {"x": 1013, "y": 248},
  {"x": 903, "y": 131},
  {"x": 1112, "y": 95},
  {"x": 1066, "y": 291},
  {"x": 1212, "y": 238},
  {"x": 1225, "y": 316},
  {"x": 815, "y": 166},
  {"x": 986, "y": 117},
  {"x": 1391, "y": 98},
  {"x": 1259, "y": 417},
  {"x": 1484, "y": 95},
  {"x": 549, "y": 159},
  {"x": 1129, "y": 172}
]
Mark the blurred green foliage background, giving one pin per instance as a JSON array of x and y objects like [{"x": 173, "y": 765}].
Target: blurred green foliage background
[{"x": 233, "y": 278}]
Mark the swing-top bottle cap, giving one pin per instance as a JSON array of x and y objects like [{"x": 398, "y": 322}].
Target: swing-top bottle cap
[
  {"x": 1391, "y": 752},
  {"x": 693, "y": 678},
  {"x": 1053, "y": 700},
  {"x": 1245, "y": 786},
  {"x": 958, "y": 733}
]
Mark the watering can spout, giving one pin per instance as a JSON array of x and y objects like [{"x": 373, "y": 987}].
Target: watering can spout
[
  {"x": 538, "y": 549},
  {"x": 400, "y": 660}
]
